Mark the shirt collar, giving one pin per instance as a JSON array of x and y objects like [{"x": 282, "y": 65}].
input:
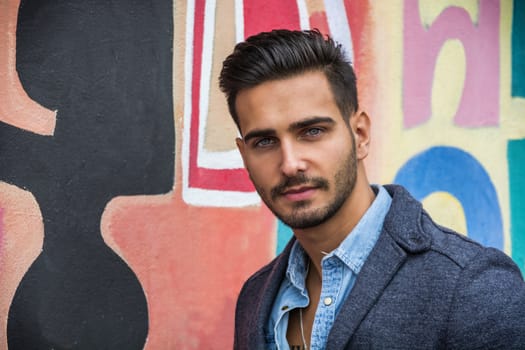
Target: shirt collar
[
  {"x": 354, "y": 249},
  {"x": 297, "y": 266}
]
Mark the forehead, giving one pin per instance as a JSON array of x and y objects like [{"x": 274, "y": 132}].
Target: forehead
[{"x": 278, "y": 103}]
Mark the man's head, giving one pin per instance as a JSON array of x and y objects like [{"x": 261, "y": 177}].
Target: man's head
[
  {"x": 293, "y": 97},
  {"x": 281, "y": 54}
]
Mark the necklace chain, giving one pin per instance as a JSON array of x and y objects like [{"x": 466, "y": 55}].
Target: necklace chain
[{"x": 305, "y": 346}]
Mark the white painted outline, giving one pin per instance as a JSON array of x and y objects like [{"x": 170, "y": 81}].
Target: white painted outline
[
  {"x": 339, "y": 25},
  {"x": 212, "y": 160},
  {"x": 230, "y": 159},
  {"x": 304, "y": 21}
]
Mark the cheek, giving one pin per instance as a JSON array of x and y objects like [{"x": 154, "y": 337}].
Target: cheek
[
  {"x": 338, "y": 158},
  {"x": 258, "y": 171},
  {"x": 336, "y": 152}
]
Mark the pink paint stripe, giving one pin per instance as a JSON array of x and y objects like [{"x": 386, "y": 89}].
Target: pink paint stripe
[
  {"x": 479, "y": 104},
  {"x": 1, "y": 232}
]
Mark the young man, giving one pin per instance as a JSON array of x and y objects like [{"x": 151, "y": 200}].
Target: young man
[{"x": 367, "y": 267}]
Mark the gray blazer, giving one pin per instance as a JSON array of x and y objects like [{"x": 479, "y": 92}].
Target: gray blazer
[{"x": 422, "y": 287}]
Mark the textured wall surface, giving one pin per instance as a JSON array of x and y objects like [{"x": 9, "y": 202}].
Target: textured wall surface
[{"x": 126, "y": 219}]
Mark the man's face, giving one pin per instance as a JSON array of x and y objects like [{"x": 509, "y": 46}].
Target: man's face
[{"x": 297, "y": 148}]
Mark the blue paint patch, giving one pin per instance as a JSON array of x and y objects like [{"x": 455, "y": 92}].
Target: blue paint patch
[
  {"x": 455, "y": 171},
  {"x": 284, "y": 233},
  {"x": 518, "y": 49}
]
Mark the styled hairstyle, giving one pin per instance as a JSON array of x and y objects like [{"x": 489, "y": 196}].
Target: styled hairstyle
[{"x": 281, "y": 54}]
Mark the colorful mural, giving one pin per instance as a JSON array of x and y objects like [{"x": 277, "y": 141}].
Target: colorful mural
[{"x": 126, "y": 218}]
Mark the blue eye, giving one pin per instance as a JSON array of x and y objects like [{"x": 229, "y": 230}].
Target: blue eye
[
  {"x": 264, "y": 142},
  {"x": 314, "y": 132}
]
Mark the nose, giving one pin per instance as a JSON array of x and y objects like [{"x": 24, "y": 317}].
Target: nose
[{"x": 292, "y": 160}]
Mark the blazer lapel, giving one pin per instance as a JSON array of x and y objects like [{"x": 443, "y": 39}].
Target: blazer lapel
[
  {"x": 266, "y": 299},
  {"x": 400, "y": 236},
  {"x": 381, "y": 265}
]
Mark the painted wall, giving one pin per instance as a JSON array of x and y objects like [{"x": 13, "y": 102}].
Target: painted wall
[{"x": 126, "y": 219}]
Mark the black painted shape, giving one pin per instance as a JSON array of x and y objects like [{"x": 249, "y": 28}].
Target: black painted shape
[{"x": 106, "y": 67}]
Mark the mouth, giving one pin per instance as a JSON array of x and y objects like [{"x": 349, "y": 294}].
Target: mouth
[
  {"x": 301, "y": 193},
  {"x": 299, "y": 188}
]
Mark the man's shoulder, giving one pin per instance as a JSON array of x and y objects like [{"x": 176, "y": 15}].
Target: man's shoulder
[
  {"x": 457, "y": 247},
  {"x": 456, "y": 250},
  {"x": 488, "y": 286},
  {"x": 416, "y": 232}
]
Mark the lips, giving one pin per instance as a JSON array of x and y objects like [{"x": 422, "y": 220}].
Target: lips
[
  {"x": 299, "y": 194},
  {"x": 299, "y": 187}
]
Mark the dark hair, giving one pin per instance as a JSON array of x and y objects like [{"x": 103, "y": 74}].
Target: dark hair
[{"x": 281, "y": 54}]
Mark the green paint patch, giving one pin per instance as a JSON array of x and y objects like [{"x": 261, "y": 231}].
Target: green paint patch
[
  {"x": 516, "y": 161},
  {"x": 284, "y": 234}
]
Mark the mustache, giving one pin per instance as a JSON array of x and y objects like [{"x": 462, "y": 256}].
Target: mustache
[{"x": 300, "y": 179}]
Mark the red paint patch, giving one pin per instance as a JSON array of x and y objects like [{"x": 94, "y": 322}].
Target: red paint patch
[
  {"x": 358, "y": 14},
  {"x": 319, "y": 21},
  {"x": 266, "y": 15}
]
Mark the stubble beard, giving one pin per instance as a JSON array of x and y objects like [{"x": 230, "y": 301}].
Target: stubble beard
[{"x": 301, "y": 217}]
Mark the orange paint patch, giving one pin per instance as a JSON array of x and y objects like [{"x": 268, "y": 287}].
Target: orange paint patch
[
  {"x": 21, "y": 242},
  {"x": 191, "y": 262},
  {"x": 318, "y": 21},
  {"x": 16, "y": 107}
]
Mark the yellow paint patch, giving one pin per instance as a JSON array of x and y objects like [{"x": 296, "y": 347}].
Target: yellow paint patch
[
  {"x": 431, "y": 9},
  {"x": 446, "y": 210},
  {"x": 449, "y": 79}
]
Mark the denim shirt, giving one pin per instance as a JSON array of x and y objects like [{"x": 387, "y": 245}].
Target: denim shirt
[{"x": 339, "y": 268}]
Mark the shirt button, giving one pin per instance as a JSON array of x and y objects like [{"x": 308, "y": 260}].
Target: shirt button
[{"x": 328, "y": 301}]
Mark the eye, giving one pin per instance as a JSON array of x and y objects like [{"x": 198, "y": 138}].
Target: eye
[
  {"x": 264, "y": 142},
  {"x": 313, "y": 132}
]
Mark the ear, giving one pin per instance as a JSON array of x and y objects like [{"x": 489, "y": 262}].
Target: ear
[
  {"x": 360, "y": 123},
  {"x": 240, "y": 146}
]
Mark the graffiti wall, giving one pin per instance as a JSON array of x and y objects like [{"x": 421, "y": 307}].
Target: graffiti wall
[{"x": 126, "y": 219}]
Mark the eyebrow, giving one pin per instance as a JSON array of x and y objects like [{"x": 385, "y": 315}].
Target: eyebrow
[
  {"x": 294, "y": 126},
  {"x": 309, "y": 122},
  {"x": 258, "y": 133}
]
